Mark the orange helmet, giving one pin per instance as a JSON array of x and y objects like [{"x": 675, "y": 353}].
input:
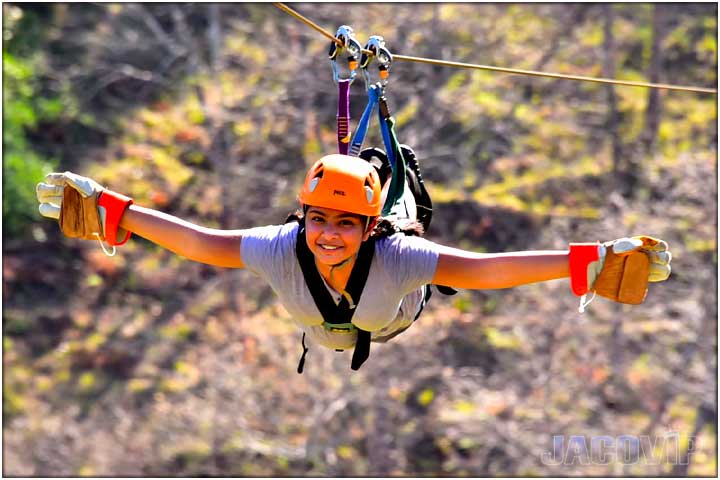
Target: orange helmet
[{"x": 342, "y": 182}]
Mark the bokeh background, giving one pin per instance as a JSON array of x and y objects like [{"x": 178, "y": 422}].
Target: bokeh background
[{"x": 146, "y": 364}]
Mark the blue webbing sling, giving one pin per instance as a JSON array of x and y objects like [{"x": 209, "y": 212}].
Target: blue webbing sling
[{"x": 376, "y": 99}]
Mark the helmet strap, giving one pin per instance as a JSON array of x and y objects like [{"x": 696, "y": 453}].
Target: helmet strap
[{"x": 368, "y": 221}]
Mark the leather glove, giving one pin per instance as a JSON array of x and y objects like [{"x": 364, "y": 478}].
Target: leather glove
[
  {"x": 72, "y": 200},
  {"x": 620, "y": 269},
  {"x": 82, "y": 207}
]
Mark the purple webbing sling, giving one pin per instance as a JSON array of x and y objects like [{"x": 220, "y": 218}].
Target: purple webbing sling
[{"x": 343, "y": 116}]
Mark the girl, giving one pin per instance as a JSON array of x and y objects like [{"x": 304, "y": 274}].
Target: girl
[{"x": 346, "y": 275}]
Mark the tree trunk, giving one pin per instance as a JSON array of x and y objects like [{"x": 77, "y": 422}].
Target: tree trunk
[
  {"x": 652, "y": 114},
  {"x": 609, "y": 72}
]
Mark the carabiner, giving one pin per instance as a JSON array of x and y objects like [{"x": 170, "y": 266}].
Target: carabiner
[
  {"x": 376, "y": 46},
  {"x": 346, "y": 35}
]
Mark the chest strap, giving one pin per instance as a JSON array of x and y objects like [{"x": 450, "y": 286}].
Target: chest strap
[{"x": 342, "y": 313}]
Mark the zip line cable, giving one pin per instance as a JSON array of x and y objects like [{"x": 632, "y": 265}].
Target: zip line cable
[
  {"x": 553, "y": 75},
  {"x": 514, "y": 71}
]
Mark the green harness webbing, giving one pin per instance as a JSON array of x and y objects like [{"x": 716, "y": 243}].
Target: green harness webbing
[{"x": 395, "y": 155}]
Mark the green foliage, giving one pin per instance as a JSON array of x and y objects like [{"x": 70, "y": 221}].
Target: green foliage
[
  {"x": 22, "y": 166},
  {"x": 13, "y": 403}
]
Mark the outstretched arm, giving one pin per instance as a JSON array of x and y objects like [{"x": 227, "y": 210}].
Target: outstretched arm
[
  {"x": 463, "y": 269},
  {"x": 207, "y": 245},
  {"x": 79, "y": 204}
]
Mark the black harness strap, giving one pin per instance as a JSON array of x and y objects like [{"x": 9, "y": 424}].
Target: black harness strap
[{"x": 338, "y": 313}]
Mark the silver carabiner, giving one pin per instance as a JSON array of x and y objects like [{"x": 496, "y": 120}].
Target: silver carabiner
[
  {"x": 346, "y": 35},
  {"x": 376, "y": 46}
]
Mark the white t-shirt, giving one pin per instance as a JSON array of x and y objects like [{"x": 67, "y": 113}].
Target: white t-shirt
[{"x": 390, "y": 300}]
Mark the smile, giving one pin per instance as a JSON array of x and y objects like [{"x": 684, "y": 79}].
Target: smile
[{"x": 329, "y": 247}]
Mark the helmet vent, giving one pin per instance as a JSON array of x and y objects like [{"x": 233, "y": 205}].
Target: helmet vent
[
  {"x": 369, "y": 194},
  {"x": 314, "y": 183}
]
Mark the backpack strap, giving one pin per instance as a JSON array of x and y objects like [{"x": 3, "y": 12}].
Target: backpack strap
[
  {"x": 342, "y": 313},
  {"x": 382, "y": 166},
  {"x": 417, "y": 187}
]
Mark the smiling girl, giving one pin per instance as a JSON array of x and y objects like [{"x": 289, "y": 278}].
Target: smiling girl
[{"x": 346, "y": 275}]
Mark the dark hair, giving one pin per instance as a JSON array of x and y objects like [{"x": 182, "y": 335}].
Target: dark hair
[{"x": 384, "y": 227}]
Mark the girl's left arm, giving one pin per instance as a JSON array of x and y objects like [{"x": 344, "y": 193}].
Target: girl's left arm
[{"x": 463, "y": 269}]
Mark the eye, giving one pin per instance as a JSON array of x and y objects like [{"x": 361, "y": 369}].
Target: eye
[{"x": 316, "y": 219}]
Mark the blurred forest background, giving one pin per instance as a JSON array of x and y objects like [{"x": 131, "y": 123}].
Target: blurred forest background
[{"x": 148, "y": 364}]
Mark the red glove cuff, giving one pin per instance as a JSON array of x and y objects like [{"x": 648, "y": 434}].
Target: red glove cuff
[
  {"x": 581, "y": 255},
  {"x": 115, "y": 205}
]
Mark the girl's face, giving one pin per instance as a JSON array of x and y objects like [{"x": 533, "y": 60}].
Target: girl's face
[{"x": 333, "y": 236}]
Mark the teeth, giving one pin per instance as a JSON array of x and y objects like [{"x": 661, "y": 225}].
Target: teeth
[{"x": 329, "y": 247}]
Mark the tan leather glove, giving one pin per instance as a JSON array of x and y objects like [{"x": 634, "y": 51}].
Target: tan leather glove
[
  {"x": 630, "y": 263},
  {"x": 73, "y": 201},
  {"x": 83, "y": 208},
  {"x": 623, "y": 268}
]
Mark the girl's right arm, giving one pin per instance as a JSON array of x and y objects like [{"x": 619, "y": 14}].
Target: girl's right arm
[{"x": 207, "y": 245}]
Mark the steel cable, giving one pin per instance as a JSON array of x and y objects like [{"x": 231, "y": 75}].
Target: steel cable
[{"x": 514, "y": 71}]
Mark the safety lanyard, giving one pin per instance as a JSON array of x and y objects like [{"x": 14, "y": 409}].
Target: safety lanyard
[
  {"x": 362, "y": 127},
  {"x": 395, "y": 156},
  {"x": 376, "y": 97},
  {"x": 346, "y": 36},
  {"x": 343, "y": 116},
  {"x": 375, "y": 49}
]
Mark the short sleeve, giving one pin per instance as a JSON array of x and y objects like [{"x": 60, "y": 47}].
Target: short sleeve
[
  {"x": 410, "y": 261},
  {"x": 266, "y": 250}
]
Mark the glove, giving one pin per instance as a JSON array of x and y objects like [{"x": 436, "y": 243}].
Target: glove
[
  {"x": 83, "y": 208},
  {"x": 620, "y": 269},
  {"x": 72, "y": 200}
]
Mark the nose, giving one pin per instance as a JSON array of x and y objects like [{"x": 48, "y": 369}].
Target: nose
[{"x": 330, "y": 231}]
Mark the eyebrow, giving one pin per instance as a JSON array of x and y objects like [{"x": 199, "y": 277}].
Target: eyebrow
[{"x": 341, "y": 216}]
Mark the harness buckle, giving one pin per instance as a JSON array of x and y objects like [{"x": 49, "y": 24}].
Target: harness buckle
[
  {"x": 346, "y": 35},
  {"x": 339, "y": 327},
  {"x": 378, "y": 51}
]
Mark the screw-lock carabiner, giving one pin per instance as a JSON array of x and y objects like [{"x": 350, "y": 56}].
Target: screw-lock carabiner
[
  {"x": 376, "y": 46},
  {"x": 346, "y": 35}
]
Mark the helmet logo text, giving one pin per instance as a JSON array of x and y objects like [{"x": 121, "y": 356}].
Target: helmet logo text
[{"x": 339, "y": 192}]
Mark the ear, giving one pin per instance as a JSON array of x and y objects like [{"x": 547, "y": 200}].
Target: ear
[{"x": 370, "y": 228}]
